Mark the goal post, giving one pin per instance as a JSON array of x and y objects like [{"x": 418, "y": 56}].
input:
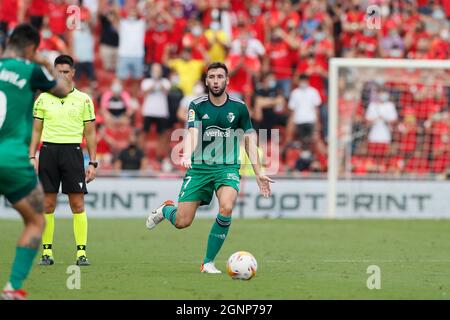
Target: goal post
[{"x": 355, "y": 73}]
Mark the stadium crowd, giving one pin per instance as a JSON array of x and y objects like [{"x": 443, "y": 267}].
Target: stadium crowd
[{"x": 142, "y": 61}]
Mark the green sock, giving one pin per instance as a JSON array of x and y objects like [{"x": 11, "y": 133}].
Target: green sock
[
  {"x": 21, "y": 266},
  {"x": 217, "y": 237},
  {"x": 170, "y": 213}
]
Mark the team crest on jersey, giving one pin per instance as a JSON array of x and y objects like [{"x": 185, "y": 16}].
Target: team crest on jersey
[{"x": 230, "y": 116}]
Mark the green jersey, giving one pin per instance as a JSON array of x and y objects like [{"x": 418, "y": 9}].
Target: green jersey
[
  {"x": 19, "y": 80},
  {"x": 220, "y": 130}
]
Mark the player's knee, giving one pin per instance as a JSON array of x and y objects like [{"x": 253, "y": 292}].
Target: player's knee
[
  {"x": 182, "y": 223},
  {"x": 77, "y": 206},
  {"x": 37, "y": 221},
  {"x": 77, "y": 209},
  {"x": 226, "y": 209},
  {"x": 49, "y": 207}
]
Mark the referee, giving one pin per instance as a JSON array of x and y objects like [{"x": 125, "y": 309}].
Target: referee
[{"x": 63, "y": 122}]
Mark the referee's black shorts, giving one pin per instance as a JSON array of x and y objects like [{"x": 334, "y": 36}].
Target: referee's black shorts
[{"x": 62, "y": 163}]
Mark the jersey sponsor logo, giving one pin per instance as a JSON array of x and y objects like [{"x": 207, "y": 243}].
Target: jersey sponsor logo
[
  {"x": 230, "y": 116},
  {"x": 215, "y": 131},
  {"x": 191, "y": 116},
  {"x": 205, "y": 116},
  {"x": 13, "y": 78}
]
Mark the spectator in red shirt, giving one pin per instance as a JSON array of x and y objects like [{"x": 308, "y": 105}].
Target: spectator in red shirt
[
  {"x": 179, "y": 23},
  {"x": 440, "y": 46},
  {"x": 316, "y": 70},
  {"x": 11, "y": 13},
  {"x": 352, "y": 23},
  {"x": 278, "y": 58},
  {"x": 407, "y": 134},
  {"x": 195, "y": 40},
  {"x": 366, "y": 43},
  {"x": 320, "y": 44},
  {"x": 51, "y": 45},
  {"x": 37, "y": 10},
  {"x": 104, "y": 155},
  {"x": 57, "y": 15},
  {"x": 243, "y": 68},
  {"x": 415, "y": 38},
  {"x": 157, "y": 37}
]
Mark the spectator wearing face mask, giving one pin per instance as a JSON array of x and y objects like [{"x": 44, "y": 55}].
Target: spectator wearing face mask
[
  {"x": 116, "y": 105},
  {"x": 109, "y": 35},
  {"x": 243, "y": 67},
  {"x": 131, "y": 46},
  {"x": 304, "y": 119},
  {"x": 132, "y": 158},
  {"x": 57, "y": 18},
  {"x": 83, "y": 49},
  {"x": 278, "y": 58},
  {"x": 269, "y": 105},
  {"x": 366, "y": 43},
  {"x": 195, "y": 40},
  {"x": 157, "y": 37},
  {"x": 392, "y": 45},
  {"x": 380, "y": 115},
  {"x": 218, "y": 42},
  {"x": 155, "y": 108},
  {"x": 317, "y": 70},
  {"x": 416, "y": 40},
  {"x": 189, "y": 70},
  {"x": 51, "y": 45},
  {"x": 320, "y": 44},
  {"x": 440, "y": 45}
]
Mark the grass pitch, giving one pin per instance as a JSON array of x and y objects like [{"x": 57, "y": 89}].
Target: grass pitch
[{"x": 297, "y": 259}]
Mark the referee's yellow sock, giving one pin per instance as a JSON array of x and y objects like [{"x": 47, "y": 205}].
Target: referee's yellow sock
[
  {"x": 47, "y": 236},
  {"x": 80, "y": 226}
]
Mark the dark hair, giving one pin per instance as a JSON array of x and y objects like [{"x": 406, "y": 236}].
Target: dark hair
[
  {"x": 64, "y": 59},
  {"x": 303, "y": 76},
  {"x": 217, "y": 65},
  {"x": 265, "y": 75},
  {"x": 23, "y": 36}
]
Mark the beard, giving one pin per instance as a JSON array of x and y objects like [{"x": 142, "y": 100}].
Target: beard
[{"x": 218, "y": 93}]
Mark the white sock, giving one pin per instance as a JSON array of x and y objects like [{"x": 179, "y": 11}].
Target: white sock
[{"x": 8, "y": 287}]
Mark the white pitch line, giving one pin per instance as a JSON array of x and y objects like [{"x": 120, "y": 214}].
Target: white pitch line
[{"x": 389, "y": 261}]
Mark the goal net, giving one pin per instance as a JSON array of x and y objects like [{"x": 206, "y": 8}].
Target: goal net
[{"x": 388, "y": 123}]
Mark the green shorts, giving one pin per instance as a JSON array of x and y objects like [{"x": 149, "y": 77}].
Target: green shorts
[
  {"x": 199, "y": 185},
  {"x": 16, "y": 183}
]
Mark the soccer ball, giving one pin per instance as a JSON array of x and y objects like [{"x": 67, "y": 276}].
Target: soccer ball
[{"x": 242, "y": 265}]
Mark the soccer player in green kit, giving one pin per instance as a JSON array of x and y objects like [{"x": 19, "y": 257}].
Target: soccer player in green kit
[
  {"x": 20, "y": 77},
  {"x": 217, "y": 119}
]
